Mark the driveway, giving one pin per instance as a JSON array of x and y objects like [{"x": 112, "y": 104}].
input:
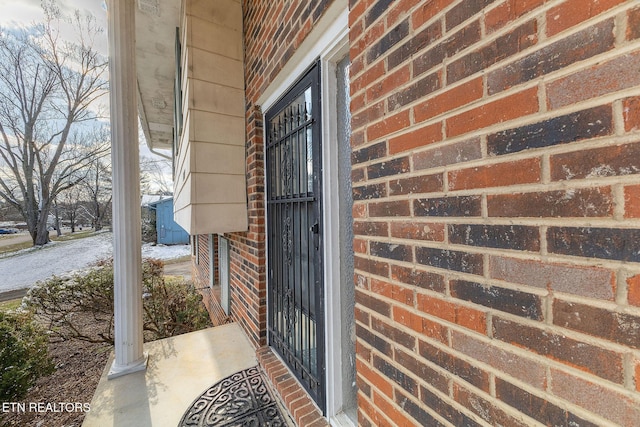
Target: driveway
[{"x": 25, "y": 268}]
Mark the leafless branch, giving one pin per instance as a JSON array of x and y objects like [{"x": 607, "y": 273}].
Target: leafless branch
[{"x": 49, "y": 89}]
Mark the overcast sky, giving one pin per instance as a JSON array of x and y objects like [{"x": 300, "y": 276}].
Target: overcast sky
[
  {"x": 20, "y": 13},
  {"x": 24, "y": 12}
]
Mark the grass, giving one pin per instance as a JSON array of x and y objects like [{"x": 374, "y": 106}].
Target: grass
[
  {"x": 75, "y": 236},
  {"x": 10, "y": 305},
  {"x": 28, "y": 244},
  {"x": 15, "y": 247}
]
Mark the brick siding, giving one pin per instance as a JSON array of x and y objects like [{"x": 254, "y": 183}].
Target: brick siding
[
  {"x": 302, "y": 410},
  {"x": 495, "y": 170},
  {"x": 272, "y": 33},
  {"x": 201, "y": 273},
  {"x": 496, "y": 162},
  {"x": 200, "y": 261}
]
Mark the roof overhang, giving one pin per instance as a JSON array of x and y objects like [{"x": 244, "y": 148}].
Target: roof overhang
[{"x": 156, "y": 22}]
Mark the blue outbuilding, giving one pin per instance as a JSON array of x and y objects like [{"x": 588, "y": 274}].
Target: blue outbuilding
[{"x": 168, "y": 231}]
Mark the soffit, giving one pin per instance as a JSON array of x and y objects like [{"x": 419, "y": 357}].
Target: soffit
[{"x": 156, "y": 22}]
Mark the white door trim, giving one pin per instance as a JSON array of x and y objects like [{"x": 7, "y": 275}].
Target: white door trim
[{"x": 331, "y": 220}]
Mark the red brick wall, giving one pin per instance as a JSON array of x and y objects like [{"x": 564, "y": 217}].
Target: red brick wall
[
  {"x": 496, "y": 153},
  {"x": 272, "y": 31},
  {"x": 201, "y": 273},
  {"x": 200, "y": 260},
  {"x": 201, "y": 265}
]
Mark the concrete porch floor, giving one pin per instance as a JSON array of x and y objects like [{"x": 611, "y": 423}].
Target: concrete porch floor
[{"x": 179, "y": 370}]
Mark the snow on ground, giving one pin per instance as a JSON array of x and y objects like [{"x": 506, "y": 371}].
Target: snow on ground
[
  {"x": 165, "y": 252},
  {"x": 25, "y": 268}
]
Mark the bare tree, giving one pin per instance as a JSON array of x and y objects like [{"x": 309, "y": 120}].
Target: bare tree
[
  {"x": 154, "y": 176},
  {"x": 48, "y": 93},
  {"x": 70, "y": 202},
  {"x": 99, "y": 191}
]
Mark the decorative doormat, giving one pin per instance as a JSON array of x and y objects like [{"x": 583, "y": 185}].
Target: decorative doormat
[{"x": 242, "y": 399}]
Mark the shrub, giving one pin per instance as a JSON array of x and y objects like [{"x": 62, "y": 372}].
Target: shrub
[
  {"x": 78, "y": 306},
  {"x": 23, "y": 354},
  {"x": 81, "y": 306},
  {"x": 170, "y": 307}
]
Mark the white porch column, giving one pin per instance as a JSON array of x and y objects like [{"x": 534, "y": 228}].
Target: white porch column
[{"x": 127, "y": 238}]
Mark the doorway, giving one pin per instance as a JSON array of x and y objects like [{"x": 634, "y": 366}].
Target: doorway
[{"x": 293, "y": 155}]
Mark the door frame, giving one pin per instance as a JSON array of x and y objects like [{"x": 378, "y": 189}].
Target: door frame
[
  {"x": 331, "y": 217},
  {"x": 329, "y": 41}
]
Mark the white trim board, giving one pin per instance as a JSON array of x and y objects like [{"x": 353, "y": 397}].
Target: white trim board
[{"x": 331, "y": 219}]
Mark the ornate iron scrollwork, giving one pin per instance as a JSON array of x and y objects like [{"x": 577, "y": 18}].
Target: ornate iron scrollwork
[
  {"x": 293, "y": 218},
  {"x": 287, "y": 236},
  {"x": 290, "y": 314},
  {"x": 242, "y": 399}
]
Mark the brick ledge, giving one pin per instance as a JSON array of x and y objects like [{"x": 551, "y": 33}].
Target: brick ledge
[{"x": 295, "y": 399}]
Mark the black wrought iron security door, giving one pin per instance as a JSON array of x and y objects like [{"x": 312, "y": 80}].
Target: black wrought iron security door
[{"x": 293, "y": 168}]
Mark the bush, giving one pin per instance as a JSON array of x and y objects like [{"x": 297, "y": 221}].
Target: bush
[
  {"x": 81, "y": 306},
  {"x": 78, "y": 306},
  {"x": 170, "y": 307},
  {"x": 23, "y": 354}
]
